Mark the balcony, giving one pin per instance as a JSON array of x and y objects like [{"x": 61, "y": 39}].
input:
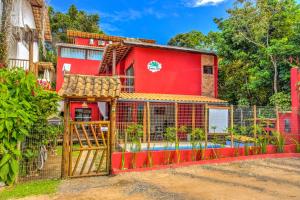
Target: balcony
[
  {"x": 127, "y": 83},
  {"x": 19, "y": 63}
]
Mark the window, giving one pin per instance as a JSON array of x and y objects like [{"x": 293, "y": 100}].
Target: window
[
  {"x": 208, "y": 70},
  {"x": 83, "y": 114},
  {"x": 94, "y": 55},
  {"x": 130, "y": 81},
  {"x": 127, "y": 117},
  {"x": 287, "y": 125},
  {"x": 72, "y": 53}
]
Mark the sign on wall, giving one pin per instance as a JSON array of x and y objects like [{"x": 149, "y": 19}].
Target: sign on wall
[
  {"x": 154, "y": 66},
  {"x": 218, "y": 120}
]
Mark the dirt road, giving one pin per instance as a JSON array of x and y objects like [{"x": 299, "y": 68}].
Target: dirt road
[{"x": 259, "y": 179}]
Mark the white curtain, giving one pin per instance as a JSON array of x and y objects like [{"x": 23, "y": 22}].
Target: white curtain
[{"x": 103, "y": 109}]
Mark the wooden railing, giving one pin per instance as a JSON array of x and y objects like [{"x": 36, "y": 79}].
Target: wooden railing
[
  {"x": 20, "y": 63},
  {"x": 127, "y": 83}
]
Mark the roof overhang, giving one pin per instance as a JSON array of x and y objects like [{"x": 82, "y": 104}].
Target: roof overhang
[
  {"x": 79, "y": 46},
  {"x": 90, "y": 87},
  {"x": 154, "y": 97}
]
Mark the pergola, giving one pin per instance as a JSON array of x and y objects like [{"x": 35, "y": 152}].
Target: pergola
[{"x": 87, "y": 89}]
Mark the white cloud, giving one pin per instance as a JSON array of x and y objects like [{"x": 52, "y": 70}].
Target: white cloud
[{"x": 198, "y": 3}]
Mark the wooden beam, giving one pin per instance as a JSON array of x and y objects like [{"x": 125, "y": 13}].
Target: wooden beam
[
  {"x": 231, "y": 125},
  {"x": 31, "y": 65},
  {"x": 145, "y": 123},
  {"x": 113, "y": 124},
  {"x": 254, "y": 121},
  {"x": 206, "y": 123},
  {"x": 148, "y": 124},
  {"x": 66, "y": 141},
  {"x": 193, "y": 117},
  {"x": 277, "y": 120},
  {"x": 114, "y": 62},
  {"x": 176, "y": 119}
]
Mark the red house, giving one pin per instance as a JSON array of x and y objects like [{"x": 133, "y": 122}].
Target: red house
[{"x": 148, "y": 72}]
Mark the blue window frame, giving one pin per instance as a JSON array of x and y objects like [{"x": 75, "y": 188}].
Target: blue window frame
[
  {"x": 72, "y": 53},
  {"x": 94, "y": 55}
]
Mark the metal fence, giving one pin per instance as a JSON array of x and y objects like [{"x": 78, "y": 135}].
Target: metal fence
[
  {"x": 41, "y": 153},
  {"x": 145, "y": 126}
]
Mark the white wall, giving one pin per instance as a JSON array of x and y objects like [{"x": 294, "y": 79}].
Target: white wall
[
  {"x": 35, "y": 52},
  {"x": 22, "y": 14}
]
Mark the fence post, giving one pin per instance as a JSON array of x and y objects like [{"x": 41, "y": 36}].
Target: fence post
[
  {"x": 149, "y": 123},
  {"x": 205, "y": 124},
  {"x": 145, "y": 123},
  {"x": 176, "y": 119},
  {"x": 66, "y": 147},
  {"x": 277, "y": 120},
  {"x": 231, "y": 125},
  {"x": 193, "y": 117},
  {"x": 113, "y": 124},
  {"x": 254, "y": 121}
]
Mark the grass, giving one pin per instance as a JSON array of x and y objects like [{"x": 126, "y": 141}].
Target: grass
[{"x": 30, "y": 189}]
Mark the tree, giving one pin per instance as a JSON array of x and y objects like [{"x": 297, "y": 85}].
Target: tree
[
  {"x": 193, "y": 39},
  {"x": 73, "y": 19}
]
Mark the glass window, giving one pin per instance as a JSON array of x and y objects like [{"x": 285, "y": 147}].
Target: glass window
[
  {"x": 208, "y": 70},
  {"x": 287, "y": 125},
  {"x": 130, "y": 80},
  {"x": 83, "y": 114},
  {"x": 72, "y": 53},
  {"x": 94, "y": 55}
]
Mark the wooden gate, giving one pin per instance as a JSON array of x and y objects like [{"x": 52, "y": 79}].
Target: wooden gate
[{"x": 89, "y": 153}]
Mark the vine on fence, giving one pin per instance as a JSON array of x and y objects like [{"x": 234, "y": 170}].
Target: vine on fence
[{"x": 23, "y": 104}]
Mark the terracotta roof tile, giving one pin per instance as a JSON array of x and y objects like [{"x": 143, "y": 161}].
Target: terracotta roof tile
[
  {"x": 169, "y": 97},
  {"x": 73, "y": 33},
  {"x": 37, "y": 13},
  {"x": 84, "y": 86}
]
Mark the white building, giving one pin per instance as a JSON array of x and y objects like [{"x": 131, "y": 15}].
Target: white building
[{"x": 30, "y": 26}]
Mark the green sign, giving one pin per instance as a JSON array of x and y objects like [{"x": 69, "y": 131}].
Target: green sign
[{"x": 154, "y": 66}]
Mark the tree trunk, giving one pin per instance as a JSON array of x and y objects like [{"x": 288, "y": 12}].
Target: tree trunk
[
  {"x": 275, "y": 78},
  {"x": 5, "y": 30}
]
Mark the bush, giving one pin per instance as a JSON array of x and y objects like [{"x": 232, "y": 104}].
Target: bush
[{"x": 23, "y": 104}]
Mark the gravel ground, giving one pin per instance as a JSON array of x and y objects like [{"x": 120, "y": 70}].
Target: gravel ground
[{"x": 256, "y": 179}]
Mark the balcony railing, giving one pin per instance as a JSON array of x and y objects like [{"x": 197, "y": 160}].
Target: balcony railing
[
  {"x": 127, "y": 83},
  {"x": 20, "y": 63}
]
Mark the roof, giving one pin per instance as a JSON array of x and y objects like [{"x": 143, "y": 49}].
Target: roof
[
  {"x": 73, "y": 33},
  {"x": 143, "y": 44},
  {"x": 85, "y": 86},
  {"x": 121, "y": 52},
  {"x": 37, "y": 10},
  {"x": 122, "y": 48},
  {"x": 169, "y": 98}
]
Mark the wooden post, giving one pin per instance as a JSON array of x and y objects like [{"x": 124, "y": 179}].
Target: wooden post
[
  {"x": 231, "y": 125},
  {"x": 206, "y": 124},
  {"x": 31, "y": 65},
  {"x": 254, "y": 121},
  {"x": 66, "y": 143},
  {"x": 176, "y": 119},
  {"x": 113, "y": 125},
  {"x": 193, "y": 117},
  {"x": 114, "y": 62},
  {"x": 277, "y": 121},
  {"x": 145, "y": 123},
  {"x": 148, "y": 123}
]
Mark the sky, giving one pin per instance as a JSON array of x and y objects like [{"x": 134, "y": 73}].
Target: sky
[{"x": 152, "y": 19}]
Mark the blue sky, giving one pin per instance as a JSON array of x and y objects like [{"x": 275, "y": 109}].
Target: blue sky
[{"x": 153, "y": 19}]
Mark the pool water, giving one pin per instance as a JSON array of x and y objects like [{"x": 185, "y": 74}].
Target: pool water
[{"x": 238, "y": 144}]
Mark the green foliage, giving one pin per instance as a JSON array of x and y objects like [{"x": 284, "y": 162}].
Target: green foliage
[
  {"x": 281, "y": 100},
  {"x": 30, "y": 189},
  {"x": 23, "y": 104},
  {"x": 135, "y": 133},
  {"x": 73, "y": 19},
  {"x": 253, "y": 44},
  {"x": 279, "y": 141}
]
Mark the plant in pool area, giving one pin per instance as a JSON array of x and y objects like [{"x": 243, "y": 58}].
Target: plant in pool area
[
  {"x": 279, "y": 141},
  {"x": 170, "y": 137},
  {"x": 246, "y": 148},
  {"x": 123, "y": 158},
  {"x": 297, "y": 145},
  {"x": 214, "y": 142},
  {"x": 135, "y": 132},
  {"x": 197, "y": 137},
  {"x": 181, "y": 129}
]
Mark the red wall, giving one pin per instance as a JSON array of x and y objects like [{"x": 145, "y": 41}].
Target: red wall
[
  {"x": 85, "y": 41},
  {"x": 180, "y": 74},
  {"x": 93, "y": 106}
]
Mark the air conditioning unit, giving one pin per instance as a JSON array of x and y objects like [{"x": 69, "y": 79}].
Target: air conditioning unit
[
  {"x": 91, "y": 41},
  {"x": 101, "y": 43}
]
